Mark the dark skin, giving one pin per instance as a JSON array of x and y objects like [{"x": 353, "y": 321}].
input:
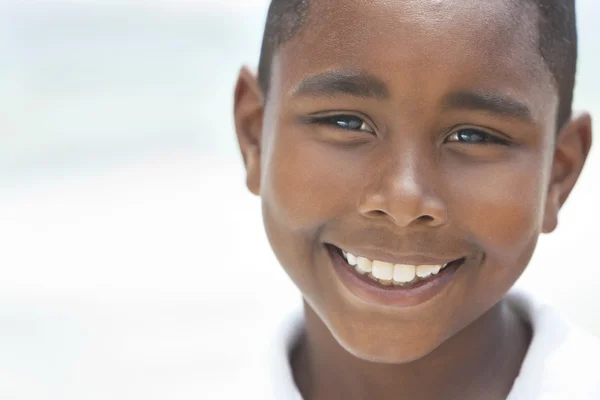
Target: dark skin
[{"x": 413, "y": 127}]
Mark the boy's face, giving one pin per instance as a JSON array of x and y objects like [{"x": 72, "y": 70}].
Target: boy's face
[{"x": 413, "y": 132}]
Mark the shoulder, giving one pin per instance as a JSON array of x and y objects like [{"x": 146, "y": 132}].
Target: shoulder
[
  {"x": 288, "y": 332},
  {"x": 563, "y": 360},
  {"x": 268, "y": 375}
]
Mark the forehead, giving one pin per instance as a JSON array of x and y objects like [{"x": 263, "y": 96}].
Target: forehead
[{"x": 424, "y": 47}]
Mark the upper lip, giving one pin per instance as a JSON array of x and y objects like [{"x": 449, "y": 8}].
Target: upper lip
[{"x": 396, "y": 258}]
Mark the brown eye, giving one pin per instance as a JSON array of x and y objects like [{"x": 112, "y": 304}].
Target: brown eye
[{"x": 347, "y": 122}]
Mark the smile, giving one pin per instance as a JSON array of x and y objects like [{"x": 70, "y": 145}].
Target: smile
[
  {"x": 395, "y": 281},
  {"x": 392, "y": 274}
]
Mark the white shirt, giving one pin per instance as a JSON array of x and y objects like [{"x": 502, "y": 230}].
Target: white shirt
[{"x": 562, "y": 362}]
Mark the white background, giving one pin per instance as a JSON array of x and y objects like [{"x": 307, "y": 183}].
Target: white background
[{"x": 133, "y": 260}]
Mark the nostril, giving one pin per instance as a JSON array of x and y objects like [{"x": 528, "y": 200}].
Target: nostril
[
  {"x": 425, "y": 219},
  {"x": 378, "y": 213}
]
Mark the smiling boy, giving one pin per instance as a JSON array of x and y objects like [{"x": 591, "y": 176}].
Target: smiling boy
[{"x": 408, "y": 154}]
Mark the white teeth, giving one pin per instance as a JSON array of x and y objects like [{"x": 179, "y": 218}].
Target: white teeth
[
  {"x": 404, "y": 273},
  {"x": 423, "y": 271},
  {"x": 388, "y": 273},
  {"x": 351, "y": 259},
  {"x": 383, "y": 270},
  {"x": 363, "y": 265}
]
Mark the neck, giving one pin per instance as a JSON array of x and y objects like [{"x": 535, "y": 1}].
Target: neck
[{"x": 480, "y": 362}]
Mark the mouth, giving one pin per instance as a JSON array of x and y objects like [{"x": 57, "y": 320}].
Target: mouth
[{"x": 393, "y": 282}]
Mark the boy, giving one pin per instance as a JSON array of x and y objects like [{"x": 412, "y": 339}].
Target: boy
[{"x": 408, "y": 155}]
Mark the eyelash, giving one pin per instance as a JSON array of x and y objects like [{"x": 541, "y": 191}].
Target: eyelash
[
  {"x": 486, "y": 138},
  {"x": 334, "y": 121}
]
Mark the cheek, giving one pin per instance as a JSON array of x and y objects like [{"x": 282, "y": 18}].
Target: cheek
[
  {"x": 306, "y": 182},
  {"x": 501, "y": 204},
  {"x": 305, "y": 185}
]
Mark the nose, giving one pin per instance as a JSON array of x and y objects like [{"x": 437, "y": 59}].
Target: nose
[{"x": 404, "y": 192}]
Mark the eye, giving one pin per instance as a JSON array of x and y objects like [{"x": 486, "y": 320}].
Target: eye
[
  {"x": 347, "y": 122},
  {"x": 474, "y": 136}
]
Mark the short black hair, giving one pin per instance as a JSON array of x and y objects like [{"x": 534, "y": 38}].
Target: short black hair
[{"x": 557, "y": 43}]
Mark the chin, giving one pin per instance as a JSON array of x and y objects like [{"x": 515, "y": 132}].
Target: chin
[
  {"x": 389, "y": 356},
  {"x": 390, "y": 350}
]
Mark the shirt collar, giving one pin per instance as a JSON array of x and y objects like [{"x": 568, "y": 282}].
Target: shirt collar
[{"x": 562, "y": 360}]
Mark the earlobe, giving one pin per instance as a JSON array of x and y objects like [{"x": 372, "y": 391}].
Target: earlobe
[
  {"x": 572, "y": 148},
  {"x": 551, "y": 212},
  {"x": 248, "y": 114}
]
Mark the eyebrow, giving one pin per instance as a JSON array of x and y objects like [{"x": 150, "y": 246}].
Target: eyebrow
[
  {"x": 342, "y": 82},
  {"x": 494, "y": 103},
  {"x": 360, "y": 84}
]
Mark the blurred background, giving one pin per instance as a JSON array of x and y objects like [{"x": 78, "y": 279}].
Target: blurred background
[{"x": 132, "y": 256}]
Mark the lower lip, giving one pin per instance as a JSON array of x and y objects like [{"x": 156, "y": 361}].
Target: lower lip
[{"x": 394, "y": 296}]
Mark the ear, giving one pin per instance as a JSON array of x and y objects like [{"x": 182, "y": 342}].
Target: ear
[
  {"x": 572, "y": 148},
  {"x": 248, "y": 109}
]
